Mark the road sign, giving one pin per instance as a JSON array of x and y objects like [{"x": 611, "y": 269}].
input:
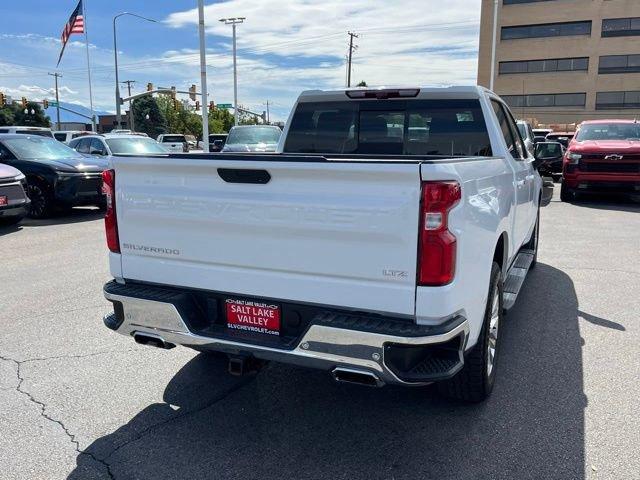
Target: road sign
[{"x": 224, "y": 105}]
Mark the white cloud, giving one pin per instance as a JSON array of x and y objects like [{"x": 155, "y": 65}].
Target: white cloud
[{"x": 283, "y": 48}]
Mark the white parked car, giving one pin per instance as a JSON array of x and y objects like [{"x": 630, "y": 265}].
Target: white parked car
[
  {"x": 252, "y": 138},
  {"x": 65, "y": 136},
  {"x": 379, "y": 252},
  {"x": 174, "y": 142},
  {"x": 527, "y": 135},
  {"x": 42, "y": 131},
  {"x": 117, "y": 144}
]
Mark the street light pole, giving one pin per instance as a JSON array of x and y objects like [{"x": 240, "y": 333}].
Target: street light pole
[
  {"x": 494, "y": 41},
  {"x": 233, "y": 22},
  {"x": 203, "y": 78},
  {"x": 115, "y": 56}
]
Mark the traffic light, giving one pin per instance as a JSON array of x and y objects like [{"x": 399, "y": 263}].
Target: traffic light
[
  {"x": 149, "y": 86},
  {"x": 197, "y": 106},
  {"x": 23, "y": 101},
  {"x": 3, "y": 100},
  {"x": 45, "y": 103},
  {"x": 192, "y": 92},
  {"x": 212, "y": 105}
]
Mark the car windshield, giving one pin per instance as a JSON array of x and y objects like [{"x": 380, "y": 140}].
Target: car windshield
[
  {"x": 37, "y": 147},
  {"x": 134, "y": 145},
  {"x": 389, "y": 127},
  {"x": 253, "y": 135},
  {"x": 173, "y": 138},
  {"x": 609, "y": 131}
]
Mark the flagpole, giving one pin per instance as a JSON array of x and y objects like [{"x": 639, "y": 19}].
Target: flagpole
[{"x": 86, "y": 42}]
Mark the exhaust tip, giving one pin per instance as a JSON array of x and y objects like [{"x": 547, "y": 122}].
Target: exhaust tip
[
  {"x": 152, "y": 341},
  {"x": 358, "y": 377}
]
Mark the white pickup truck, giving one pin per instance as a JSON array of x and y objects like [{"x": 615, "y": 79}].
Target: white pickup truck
[{"x": 381, "y": 243}]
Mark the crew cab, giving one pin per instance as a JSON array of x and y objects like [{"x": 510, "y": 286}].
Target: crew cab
[
  {"x": 604, "y": 156},
  {"x": 381, "y": 242}
]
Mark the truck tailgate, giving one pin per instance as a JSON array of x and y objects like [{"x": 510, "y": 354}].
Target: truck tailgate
[{"x": 331, "y": 233}]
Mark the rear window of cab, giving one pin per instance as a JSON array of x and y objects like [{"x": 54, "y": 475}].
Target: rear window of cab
[{"x": 440, "y": 127}]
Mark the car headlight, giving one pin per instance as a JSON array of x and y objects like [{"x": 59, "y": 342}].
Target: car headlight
[{"x": 574, "y": 158}]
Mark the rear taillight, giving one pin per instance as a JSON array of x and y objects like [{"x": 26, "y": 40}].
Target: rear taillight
[
  {"x": 437, "y": 245},
  {"x": 110, "y": 220}
]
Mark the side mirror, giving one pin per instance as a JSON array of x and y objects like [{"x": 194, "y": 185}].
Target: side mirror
[{"x": 547, "y": 152}]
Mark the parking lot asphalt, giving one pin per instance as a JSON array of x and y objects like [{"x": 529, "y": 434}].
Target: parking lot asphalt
[{"x": 81, "y": 402}]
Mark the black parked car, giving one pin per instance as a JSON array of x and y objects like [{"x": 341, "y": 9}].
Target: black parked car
[
  {"x": 14, "y": 203},
  {"x": 57, "y": 176}
]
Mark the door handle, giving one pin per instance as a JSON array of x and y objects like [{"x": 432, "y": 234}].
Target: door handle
[{"x": 244, "y": 175}]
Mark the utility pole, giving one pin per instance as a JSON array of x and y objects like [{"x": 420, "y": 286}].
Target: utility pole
[
  {"x": 56, "y": 75},
  {"x": 352, "y": 47},
  {"x": 203, "y": 78},
  {"x": 233, "y": 22},
  {"x": 129, "y": 82},
  {"x": 268, "y": 118}
]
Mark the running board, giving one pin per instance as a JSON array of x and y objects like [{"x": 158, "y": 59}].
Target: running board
[{"x": 515, "y": 278}]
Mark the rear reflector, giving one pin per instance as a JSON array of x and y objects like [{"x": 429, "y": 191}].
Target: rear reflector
[
  {"x": 382, "y": 94},
  {"x": 110, "y": 219},
  {"x": 437, "y": 245}
]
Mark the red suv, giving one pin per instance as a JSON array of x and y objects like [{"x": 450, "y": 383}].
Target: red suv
[{"x": 604, "y": 156}]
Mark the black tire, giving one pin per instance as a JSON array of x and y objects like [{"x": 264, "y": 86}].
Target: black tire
[
  {"x": 475, "y": 381},
  {"x": 40, "y": 200},
  {"x": 566, "y": 195},
  {"x": 532, "y": 244}
]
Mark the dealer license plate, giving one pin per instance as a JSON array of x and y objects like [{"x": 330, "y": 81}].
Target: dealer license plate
[{"x": 253, "y": 316}]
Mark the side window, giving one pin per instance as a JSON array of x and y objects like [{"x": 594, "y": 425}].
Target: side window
[
  {"x": 509, "y": 131},
  {"x": 83, "y": 145},
  {"x": 504, "y": 127},
  {"x": 97, "y": 148},
  {"x": 520, "y": 148}
]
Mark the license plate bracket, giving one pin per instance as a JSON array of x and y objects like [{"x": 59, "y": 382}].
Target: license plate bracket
[{"x": 253, "y": 316}]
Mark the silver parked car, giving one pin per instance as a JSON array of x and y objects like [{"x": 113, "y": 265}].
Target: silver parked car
[{"x": 116, "y": 144}]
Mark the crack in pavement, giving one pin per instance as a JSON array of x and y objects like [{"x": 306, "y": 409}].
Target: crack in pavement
[
  {"x": 72, "y": 438},
  {"x": 42, "y": 407}
]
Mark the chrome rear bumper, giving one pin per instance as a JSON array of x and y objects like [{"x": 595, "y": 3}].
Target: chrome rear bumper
[{"x": 321, "y": 346}]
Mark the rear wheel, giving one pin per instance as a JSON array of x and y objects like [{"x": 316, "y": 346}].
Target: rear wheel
[
  {"x": 475, "y": 381},
  {"x": 40, "y": 201}
]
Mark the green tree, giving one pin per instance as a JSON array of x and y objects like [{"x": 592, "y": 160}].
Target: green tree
[
  {"x": 6, "y": 116},
  {"x": 220, "y": 120},
  {"x": 37, "y": 119},
  {"x": 156, "y": 123}
]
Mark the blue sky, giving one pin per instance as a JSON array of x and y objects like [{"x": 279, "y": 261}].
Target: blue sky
[{"x": 284, "y": 47}]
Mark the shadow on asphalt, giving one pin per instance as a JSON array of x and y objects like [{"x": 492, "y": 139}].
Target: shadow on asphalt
[
  {"x": 74, "y": 215},
  {"x": 295, "y": 423},
  {"x": 621, "y": 203}
]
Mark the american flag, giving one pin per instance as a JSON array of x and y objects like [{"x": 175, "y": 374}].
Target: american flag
[{"x": 74, "y": 25}]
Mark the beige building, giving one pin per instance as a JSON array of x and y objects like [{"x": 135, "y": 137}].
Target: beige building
[{"x": 564, "y": 61}]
